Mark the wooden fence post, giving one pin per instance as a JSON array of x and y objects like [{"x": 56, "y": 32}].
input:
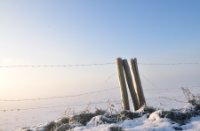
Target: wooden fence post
[
  {"x": 129, "y": 81},
  {"x": 135, "y": 70},
  {"x": 122, "y": 83}
]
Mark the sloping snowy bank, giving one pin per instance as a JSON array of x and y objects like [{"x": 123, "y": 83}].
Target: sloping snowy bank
[{"x": 148, "y": 119}]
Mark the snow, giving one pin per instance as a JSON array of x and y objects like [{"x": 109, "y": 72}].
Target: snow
[
  {"x": 153, "y": 123},
  {"x": 13, "y": 120},
  {"x": 97, "y": 120},
  {"x": 36, "y": 119},
  {"x": 194, "y": 125}
]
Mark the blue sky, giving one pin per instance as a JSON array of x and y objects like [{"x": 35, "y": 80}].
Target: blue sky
[{"x": 91, "y": 31}]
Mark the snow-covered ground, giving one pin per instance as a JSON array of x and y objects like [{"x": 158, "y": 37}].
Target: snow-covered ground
[
  {"x": 153, "y": 123},
  {"x": 44, "y": 111},
  {"x": 144, "y": 123}
]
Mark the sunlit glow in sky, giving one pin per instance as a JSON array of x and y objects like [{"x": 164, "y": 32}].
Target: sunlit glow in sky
[{"x": 83, "y": 32}]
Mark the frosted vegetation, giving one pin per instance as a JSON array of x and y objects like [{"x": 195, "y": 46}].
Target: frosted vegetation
[{"x": 146, "y": 118}]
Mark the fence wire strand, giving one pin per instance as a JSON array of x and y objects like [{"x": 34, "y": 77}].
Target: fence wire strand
[
  {"x": 173, "y": 99},
  {"x": 169, "y": 64},
  {"x": 117, "y": 102},
  {"x": 57, "y": 65},
  {"x": 86, "y": 93},
  {"x": 93, "y": 64},
  {"x": 59, "y": 97}
]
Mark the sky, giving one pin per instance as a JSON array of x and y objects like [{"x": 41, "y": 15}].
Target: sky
[{"x": 94, "y": 31}]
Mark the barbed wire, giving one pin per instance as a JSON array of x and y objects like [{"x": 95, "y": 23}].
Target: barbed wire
[
  {"x": 93, "y": 64},
  {"x": 56, "y": 65},
  {"x": 118, "y": 102},
  {"x": 172, "y": 99},
  {"x": 91, "y": 92},
  {"x": 77, "y": 95},
  {"x": 169, "y": 64},
  {"x": 86, "y": 93},
  {"x": 58, "y": 97}
]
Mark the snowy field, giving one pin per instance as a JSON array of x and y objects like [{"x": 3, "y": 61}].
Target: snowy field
[
  {"x": 44, "y": 111},
  {"x": 31, "y": 113},
  {"x": 164, "y": 94}
]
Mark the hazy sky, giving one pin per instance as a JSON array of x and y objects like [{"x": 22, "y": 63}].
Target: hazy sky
[{"x": 93, "y": 31}]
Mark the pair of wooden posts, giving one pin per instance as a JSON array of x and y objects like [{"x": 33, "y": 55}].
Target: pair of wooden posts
[{"x": 135, "y": 87}]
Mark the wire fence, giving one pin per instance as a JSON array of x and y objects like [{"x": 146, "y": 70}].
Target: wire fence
[
  {"x": 57, "y": 65},
  {"x": 26, "y": 110},
  {"x": 58, "y": 97},
  {"x": 92, "y": 64},
  {"x": 77, "y": 105},
  {"x": 114, "y": 101},
  {"x": 169, "y": 64},
  {"x": 145, "y": 78}
]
